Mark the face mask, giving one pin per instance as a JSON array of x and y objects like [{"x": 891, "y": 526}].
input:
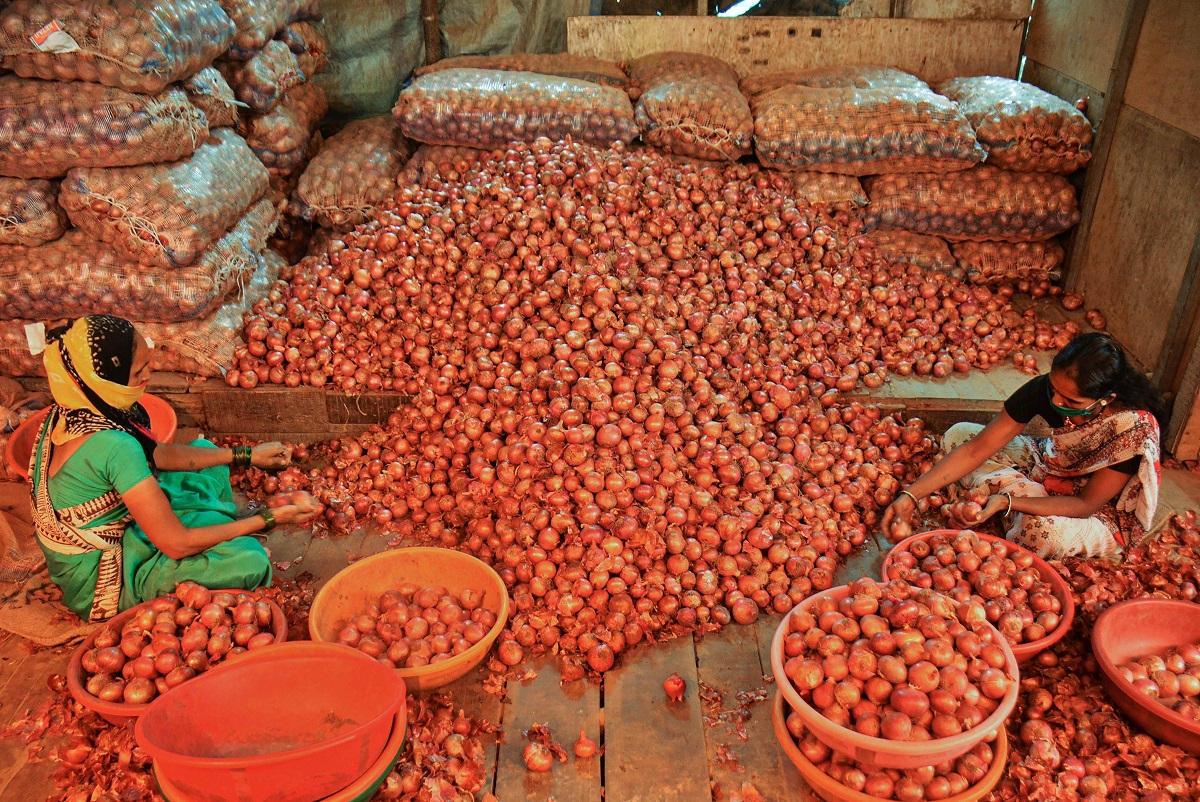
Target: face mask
[{"x": 1072, "y": 412}]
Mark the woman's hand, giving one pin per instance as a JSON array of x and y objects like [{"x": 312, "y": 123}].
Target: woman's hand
[
  {"x": 299, "y": 508},
  {"x": 897, "y": 518},
  {"x": 997, "y": 503},
  {"x": 271, "y": 455}
]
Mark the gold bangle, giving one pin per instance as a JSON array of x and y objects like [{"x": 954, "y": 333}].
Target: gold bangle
[
  {"x": 1009, "y": 510},
  {"x": 916, "y": 501}
]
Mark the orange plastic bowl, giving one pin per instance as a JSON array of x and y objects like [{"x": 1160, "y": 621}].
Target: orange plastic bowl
[
  {"x": 1137, "y": 628},
  {"x": 120, "y": 712},
  {"x": 1058, "y": 586},
  {"x": 354, "y": 588},
  {"x": 361, "y": 790},
  {"x": 293, "y": 723},
  {"x": 880, "y": 751},
  {"x": 831, "y": 790},
  {"x": 20, "y": 445}
]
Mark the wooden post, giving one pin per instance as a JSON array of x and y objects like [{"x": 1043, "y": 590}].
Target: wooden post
[{"x": 432, "y": 30}]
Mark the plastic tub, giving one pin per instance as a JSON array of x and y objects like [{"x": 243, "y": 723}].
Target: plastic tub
[
  {"x": 355, "y": 587},
  {"x": 880, "y": 751},
  {"x": 1140, "y": 627},
  {"x": 361, "y": 790},
  {"x": 293, "y": 723},
  {"x": 1058, "y": 586},
  {"x": 831, "y": 790},
  {"x": 120, "y": 712},
  {"x": 20, "y": 445}
]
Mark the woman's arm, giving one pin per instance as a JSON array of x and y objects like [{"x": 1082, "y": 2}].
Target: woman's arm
[
  {"x": 175, "y": 457},
  {"x": 150, "y": 508},
  {"x": 1101, "y": 488}
]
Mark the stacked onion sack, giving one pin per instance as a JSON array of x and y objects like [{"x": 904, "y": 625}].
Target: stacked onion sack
[
  {"x": 1000, "y": 217},
  {"x": 123, "y": 188}
]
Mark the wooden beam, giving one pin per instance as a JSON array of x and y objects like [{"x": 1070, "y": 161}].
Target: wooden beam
[
  {"x": 432, "y": 28},
  {"x": 933, "y": 49}
]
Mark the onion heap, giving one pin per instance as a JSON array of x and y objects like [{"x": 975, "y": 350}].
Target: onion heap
[
  {"x": 443, "y": 756},
  {"x": 999, "y": 575},
  {"x": 896, "y": 662},
  {"x": 411, "y": 626},
  {"x": 910, "y": 785},
  {"x": 171, "y": 640}
]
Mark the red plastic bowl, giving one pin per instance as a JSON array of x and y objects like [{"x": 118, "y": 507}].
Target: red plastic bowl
[
  {"x": 1137, "y": 628},
  {"x": 120, "y": 712},
  {"x": 831, "y": 790},
  {"x": 1058, "y": 586},
  {"x": 293, "y": 723},
  {"x": 880, "y": 751},
  {"x": 20, "y": 445}
]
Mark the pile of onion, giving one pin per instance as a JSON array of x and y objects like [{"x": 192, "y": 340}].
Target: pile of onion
[
  {"x": 1000, "y": 576},
  {"x": 172, "y": 639},
  {"x": 909, "y": 785},
  {"x": 896, "y": 662},
  {"x": 413, "y": 626},
  {"x": 1172, "y": 678}
]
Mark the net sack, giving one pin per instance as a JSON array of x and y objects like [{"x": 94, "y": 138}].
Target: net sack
[
  {"x": 284, "y": 182},
  {"x": 862, "y": 131},
  {"x": 851, "y": 76},
  {"x": 75, "y": 275},
  {"x": 29, "y": 212},
  {"x": 257, "y": 22},
  {"x": 15, "y": 360},
  {"x": 926, "y": 252},
  {"x": 813, "y": 187},
  {"x": 205, "y": 347},
  {"x": 491, "y": 108},
  {"x": 167, "y": 215},
  {"x": 309, "y": 46},
  {"x": 564, "y": 65},
  {"x": 208, "y": 91},
  {"x": 280, "y": 137},
  {"x": 997, "y": 263},
  {"x": 46, "y": 128},
  {"x": 983, "y": 203},
  {"x": 1022, "y": 127},
  {"x": 128, "y": 44},
  {"x": 262, "y": 81},
  {"x": 691, "y": 105},
  {"x": 354, "y": 174}
]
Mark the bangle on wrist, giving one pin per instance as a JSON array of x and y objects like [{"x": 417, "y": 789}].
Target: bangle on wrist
[
  {"x": 268, "y": 518},
  {"x": 1009, "y": 497},
  {"x": 241, "y": 456},
  {"x": 916, "y": 501}
]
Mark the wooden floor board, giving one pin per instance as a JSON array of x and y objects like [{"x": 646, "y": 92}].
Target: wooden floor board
[
  {"x": 328, "y": 555},
  {"x": 468, "y": 695},
  {"x": 20, "y": 779},
  {"x": 565, "y": 711},
  {"x": 654, "y": 749}
]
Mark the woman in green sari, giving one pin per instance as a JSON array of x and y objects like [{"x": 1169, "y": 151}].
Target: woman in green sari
[{"x": 122, "y": 518}]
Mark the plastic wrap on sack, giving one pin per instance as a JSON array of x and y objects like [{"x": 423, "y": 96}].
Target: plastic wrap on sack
[
  {"x": 280, "y": 137},
  {"x": 691, "y": 105},
  {"x": 983, "y": 203},
  {"x": 309, "y": 46},
  {"x": 354, "y": 174},
  {"x": 75, "y": 275},
  {"x": 46, "y": 128},
  {"x": 815, "y": 187},
  {"x": 29, "y": 212},
  {"x": 262, "y": 81},
  {"x": 129, "y": 44},
  {"x": 167, "y": 215},
  {"x": 491, "y": 108},
  {"x": 926, "y": 252},
  {"x": 208, "y": 91},
  {"x": 853, "y": 76},
  {"x": 564, "y": 65},
  {"x": 862, "y": 131},
  {"x": 998, "y": 263},
  {"x": 1022, "y": 127}
]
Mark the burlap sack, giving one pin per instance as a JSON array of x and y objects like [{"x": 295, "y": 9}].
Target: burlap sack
[
  {"x": 983, "y": 203},
  {"x": 29, "y": 212},
  {"x": 76, "y": 275},
  {"x": 261, "y": 82},
  {"x": 1022, "y": 127},
  {"x": 309, "y": 46},
  {"x": 208, "y": 91},
  {"x": 926, "y": 252},
  {"x": 491, "y": 108},
  {"x": 827, "y": 188},
  {"x": 997, "y": 263},
  {"x": 564, "y": 65},
  {"x": 691, "y": 105},
  {"x": 280, "y": 137},
  {"x": 167, "y": 215},
  {"x": 354, "y": 174},
  {"x": 851, "y": 76},
  {"x": 862, "y": 131},
  {"x": 129, "y": 44},
  {"x": 46, "y": 128}
]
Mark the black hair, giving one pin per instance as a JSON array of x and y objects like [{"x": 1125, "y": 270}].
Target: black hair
[{"x": 1098, "y": 366}]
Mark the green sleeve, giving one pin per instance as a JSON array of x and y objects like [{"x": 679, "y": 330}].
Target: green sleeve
[{"x": 124, "y": 462}]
